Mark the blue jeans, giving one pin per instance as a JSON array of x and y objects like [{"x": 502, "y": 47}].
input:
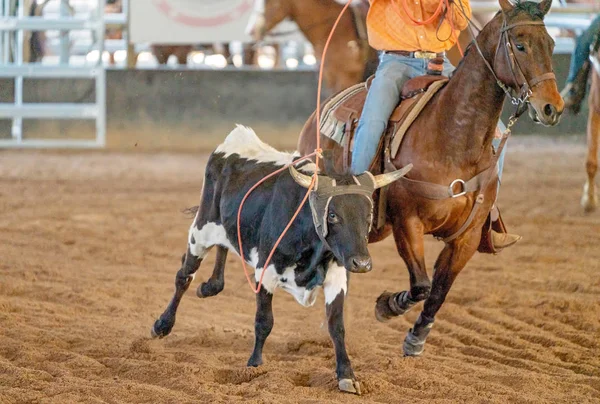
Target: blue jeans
[
  {"x": 383, "y": 97},
  {"x": 582, "y": 48}
]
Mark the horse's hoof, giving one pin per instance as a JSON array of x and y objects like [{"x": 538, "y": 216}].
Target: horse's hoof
[
  {"x": 413, "y": 346},
  {"x": 254, "y": 363},
  {"x": 349, "y": 386},
  {"x": 383, "y": 312},
  {"x": 159, "y": 329},
  {"x": 589, "y": 202}
]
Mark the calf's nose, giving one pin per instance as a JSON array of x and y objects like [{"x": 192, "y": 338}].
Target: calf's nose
[{"x": 361, "y": 264}]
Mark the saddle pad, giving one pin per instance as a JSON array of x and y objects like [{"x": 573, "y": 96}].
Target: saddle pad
[{"x": 330, "y": 126}]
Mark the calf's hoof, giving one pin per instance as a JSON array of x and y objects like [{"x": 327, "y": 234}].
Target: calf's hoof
[
  {"x": 349, "y": 386},
  {"x": 254, "y": 362},
  {"x": 208, "y": 289},
  {"x": 160, "y": 329}
]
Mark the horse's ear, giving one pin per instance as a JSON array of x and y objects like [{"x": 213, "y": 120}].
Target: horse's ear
[
  {"x": 544, "y": 6},
  {"x": 506, "y": 5}
]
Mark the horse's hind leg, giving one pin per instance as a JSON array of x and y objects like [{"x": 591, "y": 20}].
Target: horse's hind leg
[
  {"x": 410, "y": 246},
  {"x": 450, "y": 262},
  {"x": 215, "y": 284},
  {"x": 589, "y": 201}
]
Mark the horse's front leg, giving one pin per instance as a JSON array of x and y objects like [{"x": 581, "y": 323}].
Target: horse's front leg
[
  {"x": 335, "y": 288},
  {"x": 409, "y": 243},
  {"x": 450, "y": 262},
  {"x": 589, "y": 201}
]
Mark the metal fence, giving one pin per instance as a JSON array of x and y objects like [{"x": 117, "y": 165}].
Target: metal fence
[
  {"x": 12, "y": 65},
  {"x": 90, "y": 24}
]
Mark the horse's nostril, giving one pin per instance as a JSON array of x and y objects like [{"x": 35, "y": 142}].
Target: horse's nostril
[{"x": 549, "y": 110}]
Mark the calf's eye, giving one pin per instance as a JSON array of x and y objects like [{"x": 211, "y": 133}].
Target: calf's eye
[{"x": 332, "y": 217}]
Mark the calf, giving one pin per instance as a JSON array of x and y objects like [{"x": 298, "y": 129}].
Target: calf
[{"x": 328, "y": 237}]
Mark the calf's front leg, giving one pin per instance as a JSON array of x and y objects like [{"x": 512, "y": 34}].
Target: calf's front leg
[
  {"x": 335, "y": 288},
  {"x": 263, "y": 324}
]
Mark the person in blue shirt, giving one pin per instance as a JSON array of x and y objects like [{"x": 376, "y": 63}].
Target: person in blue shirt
[{"x": 575, "y": 88}]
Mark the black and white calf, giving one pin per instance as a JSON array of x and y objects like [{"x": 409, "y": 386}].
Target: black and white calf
[{"x": 328, "y": 237}]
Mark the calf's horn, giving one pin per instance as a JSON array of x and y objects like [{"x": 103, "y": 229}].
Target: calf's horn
[
  {"x": 382, "y": 180},
  {"x": 301, "y": 179}
]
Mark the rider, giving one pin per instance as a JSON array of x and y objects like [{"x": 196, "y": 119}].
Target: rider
[
  {"x": 406, "y": 49},
  {"x": 575, "y": 89}
]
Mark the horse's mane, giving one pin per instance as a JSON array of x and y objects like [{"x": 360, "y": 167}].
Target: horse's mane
[{"x": 531, "y": 8}]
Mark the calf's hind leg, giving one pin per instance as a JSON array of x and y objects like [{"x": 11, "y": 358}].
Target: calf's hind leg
[
  {"x": 215, "y": 284},
  {"x": 163, "y": 326}
]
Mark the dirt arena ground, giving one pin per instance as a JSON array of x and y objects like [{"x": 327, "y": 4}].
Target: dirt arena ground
[{"x": 90, "y": 243}]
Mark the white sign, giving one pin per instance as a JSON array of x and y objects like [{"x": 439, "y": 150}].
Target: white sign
[{"x": 191, "y": 21}]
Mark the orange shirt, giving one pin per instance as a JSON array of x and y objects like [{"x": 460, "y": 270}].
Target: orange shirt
[{"x": 390, "y": 28}]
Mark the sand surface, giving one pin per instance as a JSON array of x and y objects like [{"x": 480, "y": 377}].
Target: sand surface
[{"x": 90, "y": 243}]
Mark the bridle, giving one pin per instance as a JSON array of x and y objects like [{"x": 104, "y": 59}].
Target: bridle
[{"x": 520, "y": 97}]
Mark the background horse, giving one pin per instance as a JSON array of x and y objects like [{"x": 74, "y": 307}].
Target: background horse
[
  {"x": 452, "y": 139},
  {"x": 589, "y": 201},
  {"x": 350, "y": 59}
]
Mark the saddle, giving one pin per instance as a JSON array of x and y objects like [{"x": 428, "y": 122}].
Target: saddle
[{"x": 340, "y": 116}]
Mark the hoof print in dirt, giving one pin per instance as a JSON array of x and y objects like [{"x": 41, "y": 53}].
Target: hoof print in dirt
[{"x": 349, "y": 386}]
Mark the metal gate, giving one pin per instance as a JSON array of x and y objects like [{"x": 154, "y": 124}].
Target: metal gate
[{"x": 12, "y": 29}]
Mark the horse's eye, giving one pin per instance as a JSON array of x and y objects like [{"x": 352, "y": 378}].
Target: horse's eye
[
  {"x": 332, "y": 217},
  {"x": 520, "y": 48}
]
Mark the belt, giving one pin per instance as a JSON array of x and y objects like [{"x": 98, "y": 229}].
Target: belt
[{"x": 417, "y": 54}]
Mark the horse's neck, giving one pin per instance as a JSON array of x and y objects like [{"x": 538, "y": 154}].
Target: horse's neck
[
  {"x": 315, "y": 19},
  {"x": 471, "y": 104}
]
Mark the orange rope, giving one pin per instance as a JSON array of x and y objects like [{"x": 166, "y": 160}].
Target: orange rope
[
  {"x": 432, "y": 19},
  {"x": 316, "y": 154}
]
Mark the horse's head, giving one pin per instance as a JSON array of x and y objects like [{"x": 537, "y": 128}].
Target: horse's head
[
  {"x": 267, "y": 14},
  {"x": 523, "y": 58}
]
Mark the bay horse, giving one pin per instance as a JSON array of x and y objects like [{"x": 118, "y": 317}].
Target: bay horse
[
  {"x": 350, "y": 59},
  {"x": 451, "y": 140},
  {"x": 589, "y": 201}
]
